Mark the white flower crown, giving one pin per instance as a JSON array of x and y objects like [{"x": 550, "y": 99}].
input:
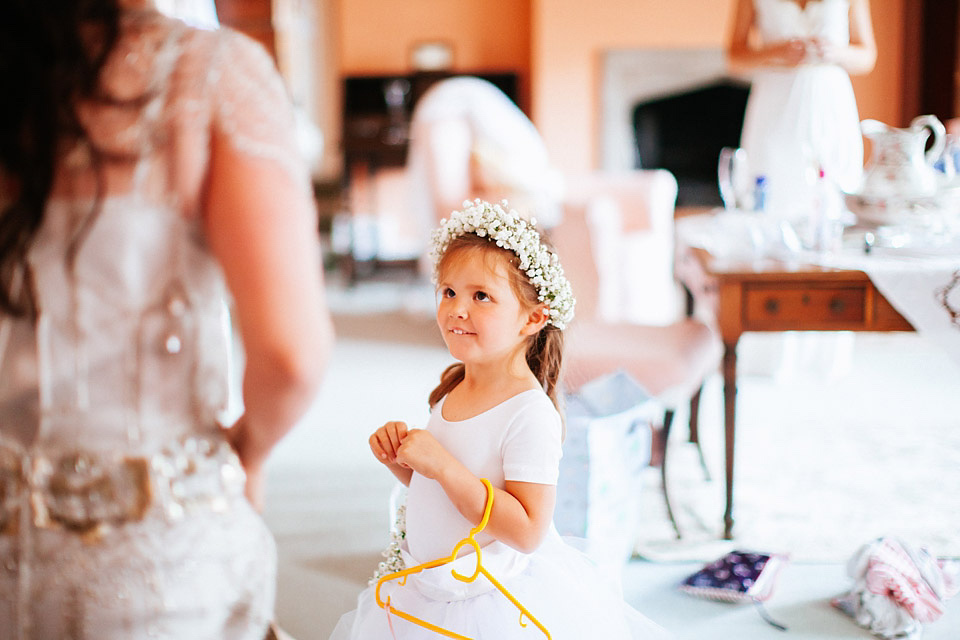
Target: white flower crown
[{"x": 511, "y": 231}]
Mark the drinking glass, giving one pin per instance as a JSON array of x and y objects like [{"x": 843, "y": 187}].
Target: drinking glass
[{"x": 733, "y": 178}]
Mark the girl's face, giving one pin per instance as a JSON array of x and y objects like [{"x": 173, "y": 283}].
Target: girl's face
[{"x": 478, "y": 312}]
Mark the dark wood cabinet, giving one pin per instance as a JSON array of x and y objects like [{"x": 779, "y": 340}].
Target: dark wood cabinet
[
  {"x": 377, "y": 109},
  {"x": 376, "y": 125}
]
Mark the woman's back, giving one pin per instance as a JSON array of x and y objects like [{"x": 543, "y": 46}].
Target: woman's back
[
  {"x": 124, "y": 513},
  {"x": 131, "y": 302}
]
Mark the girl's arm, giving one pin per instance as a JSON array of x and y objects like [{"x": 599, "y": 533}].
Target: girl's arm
[{"x": 522, "y": 512}]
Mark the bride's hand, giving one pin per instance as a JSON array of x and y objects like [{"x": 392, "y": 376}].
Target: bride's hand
[
  {"x": 254, "y": 489},
  {"x": 823, "y": 51},
  {"x": 238, "y": 438},
  {"x": 791, "y": 53}
]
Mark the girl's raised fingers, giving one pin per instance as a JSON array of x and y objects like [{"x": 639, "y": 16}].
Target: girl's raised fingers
[
  {"x": 377, "y": 441},
  {"x": 396, "y": 432}
]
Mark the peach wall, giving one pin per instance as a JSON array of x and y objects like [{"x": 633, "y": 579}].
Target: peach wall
[
  {"x": 556, "y": 45},
  {"x": 489, "y": 35},
  {"x": 570, "y": 38},
  {"x": 571, "y": 35},
  {"x": 879, "y": 94}
]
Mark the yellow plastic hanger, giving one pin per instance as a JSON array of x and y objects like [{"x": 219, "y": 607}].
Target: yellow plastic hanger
[{"x": 469, "y": 540}]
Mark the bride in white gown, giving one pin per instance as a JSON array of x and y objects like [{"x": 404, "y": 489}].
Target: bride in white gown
[
  {"x": 147, "y": 171},
  {"x": 802, "y": 117},
  {"x": 802, "y": 114}
]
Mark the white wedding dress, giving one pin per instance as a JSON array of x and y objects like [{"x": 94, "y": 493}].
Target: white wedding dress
[
  {"x": 122, "y": 512},
  {"x": 802, "y": 118}
]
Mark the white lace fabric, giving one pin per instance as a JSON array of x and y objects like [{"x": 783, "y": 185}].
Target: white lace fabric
[{"x": 129, "y": 355}]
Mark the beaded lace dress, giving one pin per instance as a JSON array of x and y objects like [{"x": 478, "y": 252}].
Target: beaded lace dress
[{"x": 121, "y": 506}]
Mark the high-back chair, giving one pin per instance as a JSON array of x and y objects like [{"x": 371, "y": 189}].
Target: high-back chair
[{"x": 616, "y": 245}]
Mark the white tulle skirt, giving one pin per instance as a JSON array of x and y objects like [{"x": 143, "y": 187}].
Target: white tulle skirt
[{"x": 558, "y": 585}]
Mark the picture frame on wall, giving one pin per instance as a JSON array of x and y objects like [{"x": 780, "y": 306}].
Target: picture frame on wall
[{"x": 432, "y": 55}]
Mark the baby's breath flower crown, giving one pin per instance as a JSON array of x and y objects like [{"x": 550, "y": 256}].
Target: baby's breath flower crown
[{"x": 511, "y": 231}]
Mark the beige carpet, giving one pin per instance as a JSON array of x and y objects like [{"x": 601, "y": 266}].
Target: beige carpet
[{"x": 824, "y": 462}]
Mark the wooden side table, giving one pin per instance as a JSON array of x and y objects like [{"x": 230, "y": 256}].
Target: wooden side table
[{"x": 770, "y": 295}]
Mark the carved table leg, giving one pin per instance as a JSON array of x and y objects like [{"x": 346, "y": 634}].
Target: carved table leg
[{"x": 730, "y": 413}]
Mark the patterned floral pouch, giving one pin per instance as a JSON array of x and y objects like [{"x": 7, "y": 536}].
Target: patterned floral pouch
[{"x": 739, "y": 576}]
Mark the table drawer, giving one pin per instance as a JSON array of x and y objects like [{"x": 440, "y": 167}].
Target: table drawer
[{"x": 785, "y": 307}]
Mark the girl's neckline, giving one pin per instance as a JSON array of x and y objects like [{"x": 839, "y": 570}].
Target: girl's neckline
[{"x": 485, "y": 411}]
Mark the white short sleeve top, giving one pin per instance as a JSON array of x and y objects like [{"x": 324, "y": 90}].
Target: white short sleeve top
[{"x": 518, "y": 440}]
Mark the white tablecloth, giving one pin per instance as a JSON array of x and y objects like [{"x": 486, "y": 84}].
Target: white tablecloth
[{"x": 923, "y": 285}]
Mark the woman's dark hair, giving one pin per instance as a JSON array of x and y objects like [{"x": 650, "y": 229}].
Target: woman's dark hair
[
  {"x": 544, "y": 349},
  {"x": 51, "y": 56}
]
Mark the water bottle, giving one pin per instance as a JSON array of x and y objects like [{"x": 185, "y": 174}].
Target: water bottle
[
  {"x": 825, "y": 226},
  {"x": 760, "y": 194}
]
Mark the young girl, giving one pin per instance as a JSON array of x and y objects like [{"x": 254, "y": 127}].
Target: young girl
[{"x": 502, "y": 305}]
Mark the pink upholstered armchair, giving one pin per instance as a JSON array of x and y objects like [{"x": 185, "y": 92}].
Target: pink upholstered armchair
[{"x": 616, "y": 244}]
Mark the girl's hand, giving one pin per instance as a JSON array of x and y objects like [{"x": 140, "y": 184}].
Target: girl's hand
[
  {"x": 421, "y": 452},
  {"x": 386, "y": 440}
]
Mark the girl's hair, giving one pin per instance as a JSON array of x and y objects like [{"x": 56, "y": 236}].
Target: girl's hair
[
  {"x": 51, "y": 56},
  {"x": 544, "y": 349}
]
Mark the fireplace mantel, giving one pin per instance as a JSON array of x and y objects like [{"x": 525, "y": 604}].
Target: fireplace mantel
[{"x": 637, "y": 75}]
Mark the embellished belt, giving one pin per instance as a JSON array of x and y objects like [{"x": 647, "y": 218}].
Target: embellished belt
[{"x": 86, "y": 492}]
